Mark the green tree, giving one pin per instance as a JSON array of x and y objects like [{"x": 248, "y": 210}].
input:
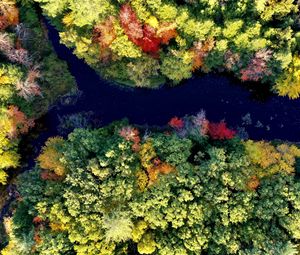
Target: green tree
[{"x": 210, "y": 200}]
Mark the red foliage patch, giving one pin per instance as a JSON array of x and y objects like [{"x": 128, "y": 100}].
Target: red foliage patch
[
  {"x": 143, "y": 36},
  {"x": 130, "y": 23},
  {"x": 176, "y": 123},
  {"x": 133, "y": 135},
  {"x": 48, "y": 175},
  {"x": 258, "y": 66},
  {"x": 150, "y": 43},
  {"x": 37, "y": 220},
  {"x": 219, "y": 131}
]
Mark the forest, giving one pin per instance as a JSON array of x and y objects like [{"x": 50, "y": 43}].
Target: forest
[
  {"x": 193, "y": 186},
  {"x": 29, "y": 84},
  {"x": 145, "y": 43}
]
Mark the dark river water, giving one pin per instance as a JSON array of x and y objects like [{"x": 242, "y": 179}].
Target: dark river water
[{"x": 220, "y": 96}]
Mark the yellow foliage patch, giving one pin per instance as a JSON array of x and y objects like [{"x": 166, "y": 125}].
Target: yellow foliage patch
[
  {"x": 147, "y": 154},
  {"x": 50, "y": 157},
  {"x": 272, "y": 159},
  {"x": 289, "y": 82},
  {"x": 142, "y": 180}
]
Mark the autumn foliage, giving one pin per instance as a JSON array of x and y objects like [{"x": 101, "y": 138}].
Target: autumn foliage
[
  {"x": 200, "y": 121},
  {"x": 200, "y": 52},
  {"x": 272, "y": 159},
  {"x": 20, "y": 124},
  {"x": 173, "y": 189},
  {"x": 50, "y": 157},
  {"x": 166, "y": 32},
  {"x": 220, "y": 131},
  {"x": 198, "y": 125},
  {"x": 26, "y": 56},
  {"x": 29, "y": 87},
  {"x": 176, "y": 123},
  {"x": 146, "y": 43},
  {"x": 154, "y": 171},
  {"x": 152, "y": 164},
  {"x": 253, "y": 183},
  {"x": 131, "y": 134},
  {"x": 144, "y": 36},
  {"x": 51, "y": 176},
  {"x": 257, "y": 68},
  {"x": 9, "y": 15},
  {"x": 150, "y": 42},
  {"x": 104, "y": 34}
]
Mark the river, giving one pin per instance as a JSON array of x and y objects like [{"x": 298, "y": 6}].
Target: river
[
  {"x": 260, "y": 114},
  {"x": 219, "y": 95}
]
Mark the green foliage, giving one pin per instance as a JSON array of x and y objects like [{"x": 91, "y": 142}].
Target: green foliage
[
  {"x": 31, "y": 78},
  {"x": 54, "y": 244},
  {"x": 177, "y": 67},
  {"x": 9, "y": 76},
  {"x": 290, "y": 249},
  {"x": 17, "y": 245},
  {"x": 117, "y": 229},
  {"x": 143, "y": 72},
  {"x": 239, "y": 29},
  {"x": 209, "y": 200},
  {"x": 3, "y": 236},
  {"x": 22, "y": 221},
  {"x": 288, "y": 83},
  {"x": 274, "y": 9}
]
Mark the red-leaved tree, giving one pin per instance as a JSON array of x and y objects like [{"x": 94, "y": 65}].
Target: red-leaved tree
[
  {"x": 220, "y": 131},
  {"x": 176, "y": 123},
  {"x": 130, "y": 23},
  {"x": 144, "y": 36},
  {"x": 149, "y": 43}
]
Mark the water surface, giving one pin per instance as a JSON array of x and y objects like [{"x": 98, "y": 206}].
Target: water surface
[{"x": 220, "y": 96}]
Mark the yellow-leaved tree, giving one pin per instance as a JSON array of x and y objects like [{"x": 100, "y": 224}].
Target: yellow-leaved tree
[
  {"x": 272, "y": 159},
  {"x": 288, "y": 83}
]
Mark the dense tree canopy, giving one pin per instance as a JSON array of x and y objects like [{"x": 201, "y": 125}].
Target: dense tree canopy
[
  {"x": 193, "y": 187},
  {"x": 28, "y": 78},
  {"x": 121, "y": 190},
  {"x": 256, "y": 40}
]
